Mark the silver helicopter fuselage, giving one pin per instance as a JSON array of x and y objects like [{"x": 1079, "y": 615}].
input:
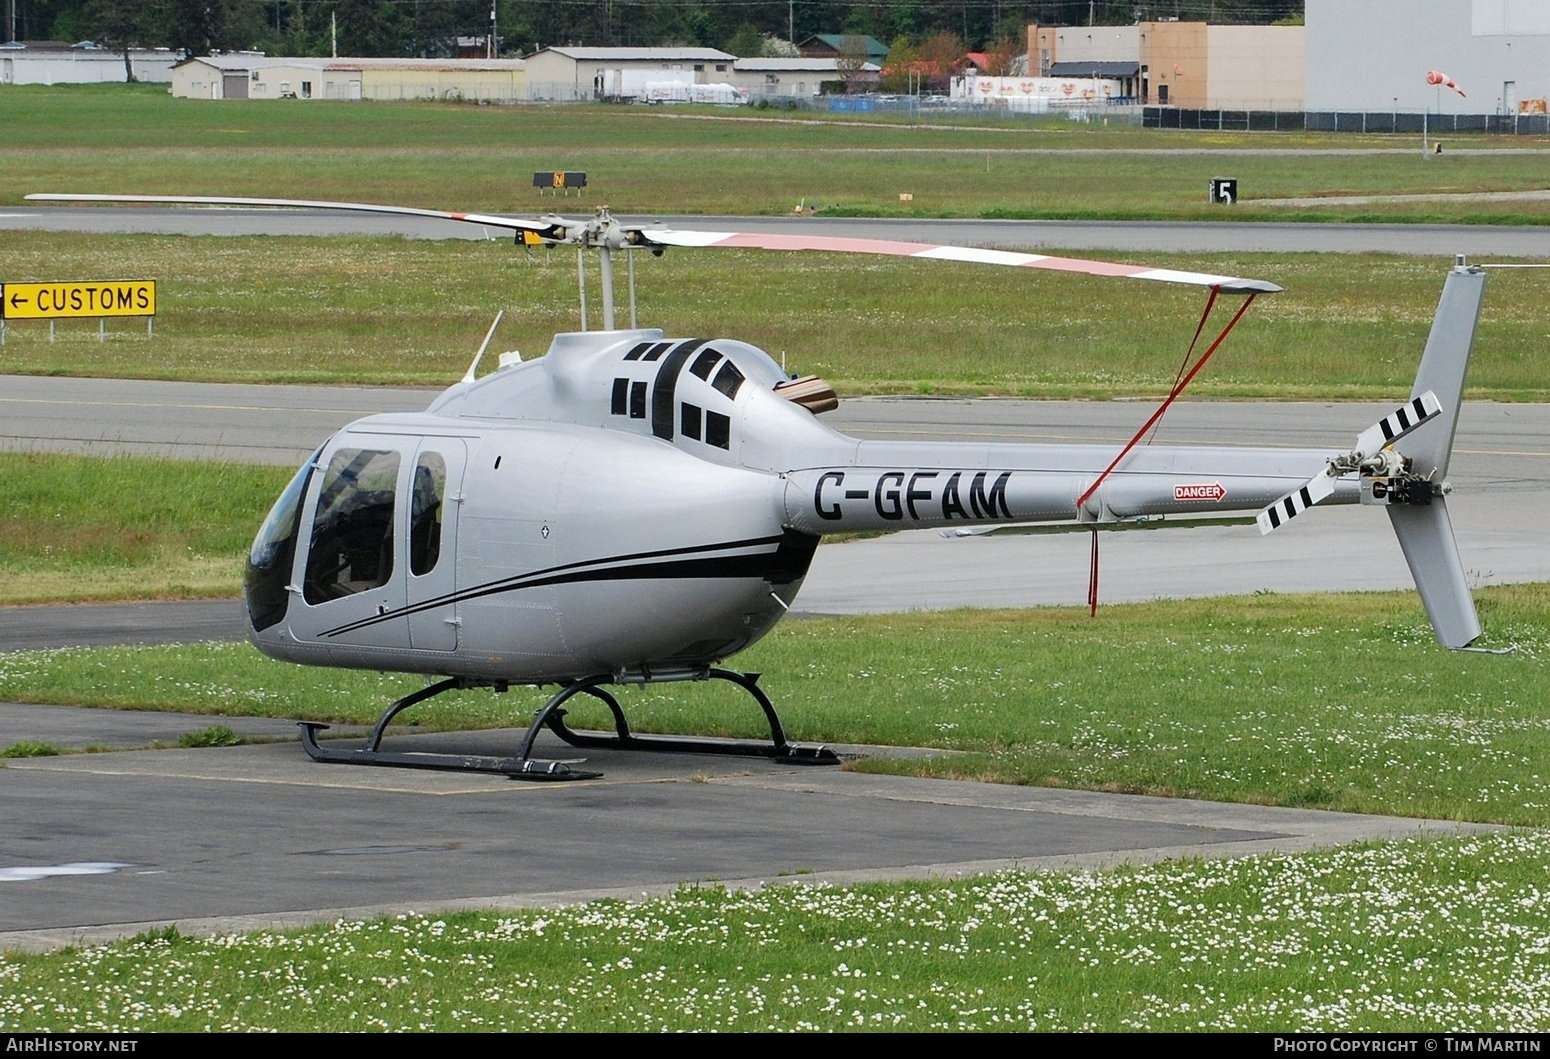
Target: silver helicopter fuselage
[{"x": 635, "y": 505}]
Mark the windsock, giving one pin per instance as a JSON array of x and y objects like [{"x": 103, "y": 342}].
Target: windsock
[{"x": 1437, "y": 77}]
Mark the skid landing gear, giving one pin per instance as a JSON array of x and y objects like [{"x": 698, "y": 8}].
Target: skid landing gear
[{"x": 523, "y": 766}]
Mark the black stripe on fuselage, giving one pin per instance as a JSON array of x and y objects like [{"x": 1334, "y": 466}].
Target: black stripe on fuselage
[{"x": 611, "y": 568}]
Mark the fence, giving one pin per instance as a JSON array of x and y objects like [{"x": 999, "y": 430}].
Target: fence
[{"x": 1343, "y": 121}]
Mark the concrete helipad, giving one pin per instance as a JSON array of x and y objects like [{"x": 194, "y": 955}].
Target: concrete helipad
[{"x": 104, "y": 845}]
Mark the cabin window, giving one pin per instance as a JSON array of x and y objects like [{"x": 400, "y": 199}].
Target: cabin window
[
  {"x": 728, "y": 380},
  {"x": 689, "y": 421},
  {"x": 704, "y": 363},
  {"x": 352, "y": 529},
  {"x": 425, "y": 511}
]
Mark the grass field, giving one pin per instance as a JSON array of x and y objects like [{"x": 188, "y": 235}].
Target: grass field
[
  {"x": 396, "y": 311},
  {"x": 1408, "y": 938},
  {"x": 74, "y": 529},
  {"x": 390, "y": 311},
  {"x": 667, "y": 160}
]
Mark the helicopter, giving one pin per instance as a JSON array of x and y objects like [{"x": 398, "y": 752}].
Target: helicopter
[{"x": 634, "y": 508}]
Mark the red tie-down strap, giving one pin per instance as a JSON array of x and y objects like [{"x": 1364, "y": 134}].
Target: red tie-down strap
[{"x": 1180, "y": 383}]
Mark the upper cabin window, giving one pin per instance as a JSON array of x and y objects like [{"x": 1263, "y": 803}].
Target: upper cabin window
[
  {"x": 425, "y": 512},
  {"x": 352, "y": 529}
]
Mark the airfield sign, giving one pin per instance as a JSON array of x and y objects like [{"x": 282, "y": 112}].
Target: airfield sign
[{"x": 53, "y": 301}]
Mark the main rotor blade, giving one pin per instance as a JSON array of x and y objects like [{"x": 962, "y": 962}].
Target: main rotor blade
[
  {"x": 489, "y": 219},
  {"x": 939, "y": 252},
  {"x": 560, "y": 229}
]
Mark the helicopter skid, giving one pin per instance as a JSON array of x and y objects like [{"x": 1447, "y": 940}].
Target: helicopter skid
[
  {"x": 552, "y": 716},
  {"x": 782, "y": 755},
  {"x": 526, "y": 768},
  {"x": 523, "y": 766}
]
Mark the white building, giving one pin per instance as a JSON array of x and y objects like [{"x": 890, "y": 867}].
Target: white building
[
  {"x": 1374, "y": 56},
  {"x": 55, "y": 63},
  {"x": 571, "y": 74},
  {"x": 252, "y": 76},
  {"x": 802, "y": 78}
]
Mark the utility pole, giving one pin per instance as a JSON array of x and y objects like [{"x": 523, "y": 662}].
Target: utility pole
[{"x": 492, "y": 49}]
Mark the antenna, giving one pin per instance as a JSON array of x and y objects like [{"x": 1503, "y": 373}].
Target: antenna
[{"x": 468, "y": 376}]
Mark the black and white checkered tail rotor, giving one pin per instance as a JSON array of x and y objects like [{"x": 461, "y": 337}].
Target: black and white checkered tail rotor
[{"x": 1373, "y": 456}]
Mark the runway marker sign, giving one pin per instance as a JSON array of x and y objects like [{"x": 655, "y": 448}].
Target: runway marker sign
[{"x": 53, "y": 301}]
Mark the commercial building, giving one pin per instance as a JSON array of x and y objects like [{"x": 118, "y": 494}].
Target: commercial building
[
  {"x": 1375, "y": 56},
  {"x": 58, "y": 63},
  {"x": 1182, "y": 64},
  {"x": 581, "y": 74},
  {"x": 252, "y": 76}
]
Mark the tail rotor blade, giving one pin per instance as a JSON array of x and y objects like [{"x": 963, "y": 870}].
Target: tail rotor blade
[
  {"x": 1370, "y": 443},
  {"x": 1398, "y": 423},
  {"x": 1278, "y": 514}
]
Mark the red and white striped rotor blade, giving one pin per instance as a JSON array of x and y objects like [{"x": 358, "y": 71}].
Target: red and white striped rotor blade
[
  {"x": 939, "y": 252},
  {"x": 559, "y": 229}
]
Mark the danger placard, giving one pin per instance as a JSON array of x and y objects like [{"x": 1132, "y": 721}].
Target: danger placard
[
  {"x": 1211, "y": 491},
  {"x": 52, "y": 301}
]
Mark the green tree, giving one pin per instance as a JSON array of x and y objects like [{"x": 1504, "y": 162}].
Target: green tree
[
  {"x": 746, "y": 43},
  {"x": 901, "y": 67},
  {"x": 120, "y": 25},
  {"x": 1002, "y": 56},
  {"x": 198, "y": 27}
]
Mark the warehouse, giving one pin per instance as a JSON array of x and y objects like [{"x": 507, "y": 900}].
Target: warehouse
[
  {"x": 584, "y": 74},
  {"x": 251, "y": 76}
]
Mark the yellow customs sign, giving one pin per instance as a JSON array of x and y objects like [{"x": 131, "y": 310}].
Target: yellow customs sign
[{"x": 50, "y": 301}]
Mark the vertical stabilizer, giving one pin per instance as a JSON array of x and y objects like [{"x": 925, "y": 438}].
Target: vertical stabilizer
[
  {"x": 1426, "y": 537},
  {"x": 1425, "y": 530},
  {"x": 1443, "y": 367}
]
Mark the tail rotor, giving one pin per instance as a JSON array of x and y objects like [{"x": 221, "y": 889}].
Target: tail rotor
[{"x": 1402, "y": 463}]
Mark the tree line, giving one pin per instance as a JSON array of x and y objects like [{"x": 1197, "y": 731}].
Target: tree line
[{"x": 430, "y": 28}]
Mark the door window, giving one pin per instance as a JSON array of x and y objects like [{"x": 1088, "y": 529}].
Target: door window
[
  {"x": 425, "y": 511},
  {"x": 352, "y": 530}
]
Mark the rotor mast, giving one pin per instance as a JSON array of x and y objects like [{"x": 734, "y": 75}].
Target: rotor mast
[{"x": 606, "y": 235}]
